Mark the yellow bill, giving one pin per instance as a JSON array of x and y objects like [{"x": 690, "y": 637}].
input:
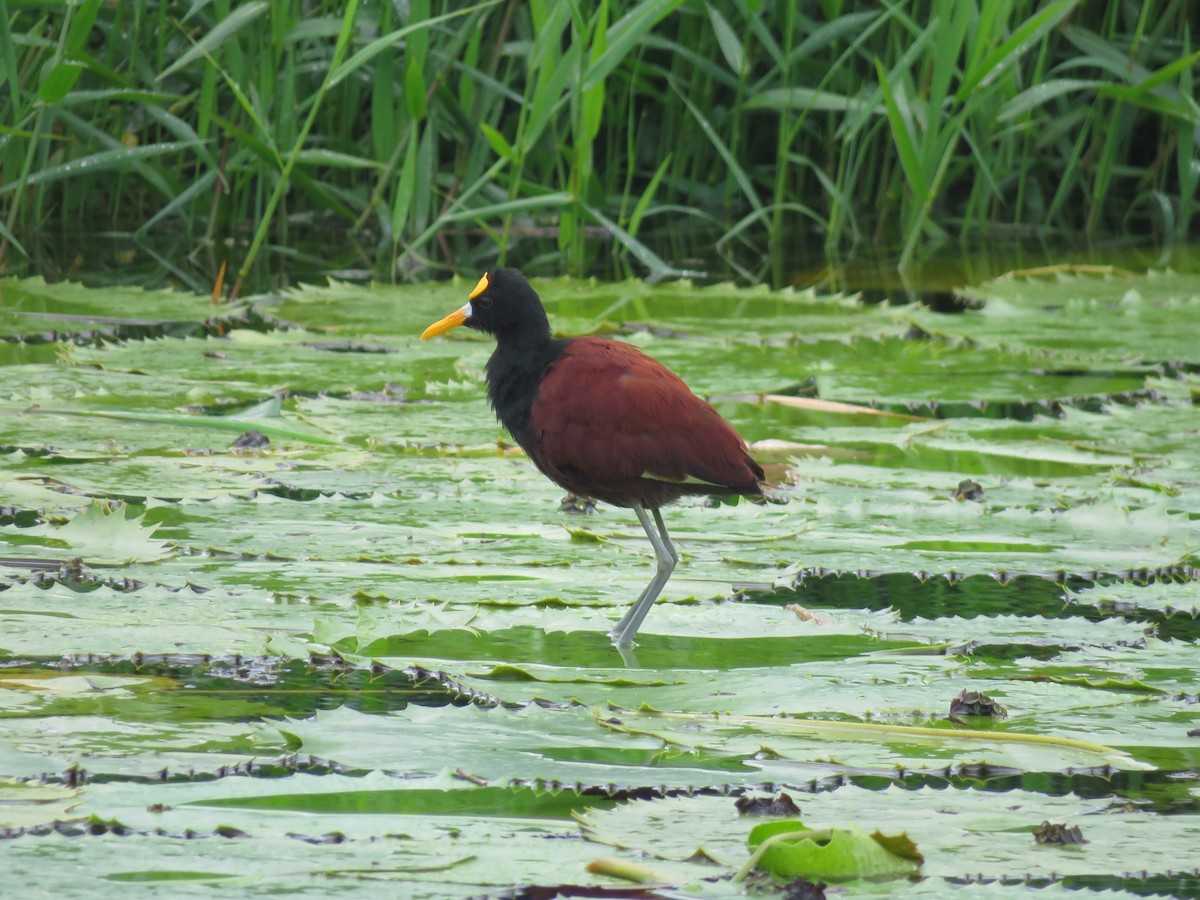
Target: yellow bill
[{"x": 441, "y": 326}]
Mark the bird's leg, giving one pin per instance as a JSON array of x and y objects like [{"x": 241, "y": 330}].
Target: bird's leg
[
  {"x": 665, "y": 553},
  {"x": 666, "y": 538},
  {"x": 623, "y": 627}
]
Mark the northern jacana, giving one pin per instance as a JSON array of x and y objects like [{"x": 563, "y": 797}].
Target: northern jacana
[{"x": 602, "y": 419}]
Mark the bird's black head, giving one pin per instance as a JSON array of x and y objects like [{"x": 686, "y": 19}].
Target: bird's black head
[{"x": 502, "y": 304}]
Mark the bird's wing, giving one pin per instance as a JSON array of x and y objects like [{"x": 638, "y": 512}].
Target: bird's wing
[{"x": 608, "y": 412}]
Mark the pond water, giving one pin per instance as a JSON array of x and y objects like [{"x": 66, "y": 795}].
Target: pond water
[{"x": 372, "y": 653}]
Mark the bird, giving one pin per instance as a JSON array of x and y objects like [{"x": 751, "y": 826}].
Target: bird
[{"x": 602, "y": 419}]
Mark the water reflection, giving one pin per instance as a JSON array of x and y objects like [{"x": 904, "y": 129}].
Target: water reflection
[{"x": 165, "y": 259}]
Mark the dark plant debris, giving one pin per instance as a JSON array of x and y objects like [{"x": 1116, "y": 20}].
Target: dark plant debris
[
  {"x": 251, "y": 440},
  {"x": 975, "y": 703},
  {"x": 803, "y": 889},
  {"x": 968, "y": 490},
  {"x": 349, "y": 347},
  {"x": 552, "y": 892},
  {"x": 1056, "y": 833},
  {"x": 781, "y": 806}
]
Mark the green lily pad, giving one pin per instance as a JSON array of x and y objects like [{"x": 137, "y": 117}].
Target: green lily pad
[
  {"x": 372, "y": 654},
  {"x": 789, "y": 849}
]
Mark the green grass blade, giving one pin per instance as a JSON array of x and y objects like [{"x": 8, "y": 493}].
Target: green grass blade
[
  {"x": 319, "y": 156},
  {"x": 103, "y": 161},
  {"x": 81, "y": 27},
  {"x": 728, "y": 41},
  {"x": 9, "y": 237},
  {"x": 765, "y": 214},
  {"x": 801, "y": 99},
  {"x": 387, "y": 42},
  {"x": 1008, "y": 52},
  {"x": 149, "y": 99},
  {"x": 625, "y": 34},
  {"x": 201, "y": 186},
  {"x": 281, "y": 185},
  {"x": 553, "y": 75},
  {"x": 58, "y": 82},
  {"x": 1041, "y": 94},
  {"x": 658, "y": 267},
  {"x": 643, "y": 203},
  {"x": 498, "y": 142},
  {"x": 225, "y": 29},
  {"x": 553, "y": 200},
  {"x": 1151, "y": 101},
  {"x": 1187, "y": 171},
  {"x": 831, "y": 33},
  {"x": 902, "y": 135},
  {"x": 731, "y": 162},
  {"x": 407, "y": 187}
]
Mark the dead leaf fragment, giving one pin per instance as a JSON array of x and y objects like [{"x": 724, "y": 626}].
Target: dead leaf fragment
[{"x": 807, "y": 615}]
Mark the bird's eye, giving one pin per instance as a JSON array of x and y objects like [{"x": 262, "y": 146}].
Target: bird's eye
[{"x": 483, "y": 302}]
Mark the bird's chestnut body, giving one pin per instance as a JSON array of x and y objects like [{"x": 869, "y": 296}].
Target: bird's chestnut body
[{"x": 635, "y": 435}]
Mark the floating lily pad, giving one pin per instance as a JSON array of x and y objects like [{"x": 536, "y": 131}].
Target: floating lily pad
[
  {"x": 789, "y": 849},
  {"x": 372, "y": 654}
]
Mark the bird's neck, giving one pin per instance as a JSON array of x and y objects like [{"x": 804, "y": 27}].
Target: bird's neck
[{"x": 514, "y": 374}]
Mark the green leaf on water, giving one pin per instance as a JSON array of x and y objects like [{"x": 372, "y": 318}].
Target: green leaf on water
[
  {"x": 584, "y": 535},
  {"x": 790, "y": 849},
  {"x": 101, "y": 534}
]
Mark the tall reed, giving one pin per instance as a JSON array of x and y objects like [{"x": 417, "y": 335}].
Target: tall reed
[{"x": 442, "y": 128}]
